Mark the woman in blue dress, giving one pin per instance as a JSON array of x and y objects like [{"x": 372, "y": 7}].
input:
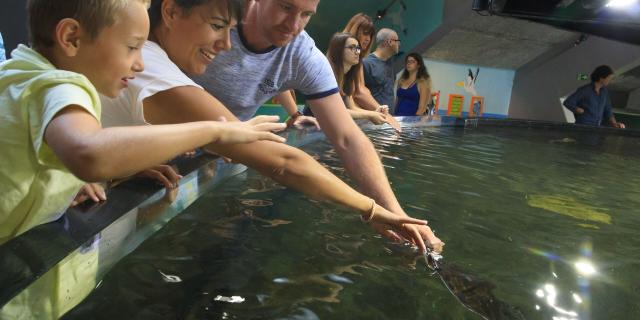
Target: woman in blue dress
[{"x": 414, "y": 87}]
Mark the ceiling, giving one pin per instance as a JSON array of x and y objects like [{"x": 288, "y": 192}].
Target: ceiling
[
  {"x": 498, "y": 42},
  {"x": 627, "y": 80}
]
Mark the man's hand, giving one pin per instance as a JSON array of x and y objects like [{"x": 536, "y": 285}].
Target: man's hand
[
  {"x": 93, "y": 191},
  {"x": 619, "y": 125},
  {"x": 579, "y": 110}
]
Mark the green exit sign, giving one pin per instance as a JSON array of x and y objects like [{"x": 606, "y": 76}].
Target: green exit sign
[{"x": 582, "y": 76}]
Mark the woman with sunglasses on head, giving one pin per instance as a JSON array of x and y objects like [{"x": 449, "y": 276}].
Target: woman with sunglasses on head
[{"x": 414, "y": 87}]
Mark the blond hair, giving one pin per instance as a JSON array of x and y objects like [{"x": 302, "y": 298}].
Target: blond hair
[{"x": 93, "y": 16}]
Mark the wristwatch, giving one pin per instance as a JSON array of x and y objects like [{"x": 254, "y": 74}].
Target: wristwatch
[{"x": 292, "y": 118}]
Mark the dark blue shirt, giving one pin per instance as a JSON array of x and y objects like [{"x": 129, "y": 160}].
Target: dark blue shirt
[
  {"x": 596, "y": 106},
  {"x": 379, "y": 78}
]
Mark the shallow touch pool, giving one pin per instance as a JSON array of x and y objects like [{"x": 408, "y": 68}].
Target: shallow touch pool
[{"x": 538, "y": 224}]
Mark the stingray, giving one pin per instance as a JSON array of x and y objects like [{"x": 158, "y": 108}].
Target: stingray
[{"x": 472, "y": 292}]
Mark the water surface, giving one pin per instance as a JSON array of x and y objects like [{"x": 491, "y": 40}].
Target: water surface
[{"x": 539, "y": 224}]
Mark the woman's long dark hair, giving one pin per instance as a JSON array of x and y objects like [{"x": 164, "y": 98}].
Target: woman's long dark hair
[
  {"x": 335, "y": 54},
  {"x": 234, "y": 8},
  {"x": 422, "y": 69}
]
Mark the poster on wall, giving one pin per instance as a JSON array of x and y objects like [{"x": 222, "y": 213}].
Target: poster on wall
[
  {"x": 476, "y": 107},
  {"x": 456, "y": 101}
]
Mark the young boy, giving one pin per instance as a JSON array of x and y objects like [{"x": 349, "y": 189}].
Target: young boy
[{"x": 50, "y": 134}]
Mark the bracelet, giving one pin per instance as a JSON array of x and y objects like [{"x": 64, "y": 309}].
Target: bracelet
[
  {"x": 293, "y": 118},
  {"x": 371, "y": 212}
]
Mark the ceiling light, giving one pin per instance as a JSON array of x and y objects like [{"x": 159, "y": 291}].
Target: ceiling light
[{"x": 621, "y": 3}]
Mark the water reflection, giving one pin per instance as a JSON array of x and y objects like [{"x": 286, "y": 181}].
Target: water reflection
[{"x": 575, "y": 304}]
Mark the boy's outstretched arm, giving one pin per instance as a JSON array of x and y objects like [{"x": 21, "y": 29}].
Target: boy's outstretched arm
[{"x": 96, "y": 154}]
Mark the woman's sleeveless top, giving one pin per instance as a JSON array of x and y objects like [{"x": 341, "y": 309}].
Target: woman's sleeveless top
[{"x": 408, "y": 100}]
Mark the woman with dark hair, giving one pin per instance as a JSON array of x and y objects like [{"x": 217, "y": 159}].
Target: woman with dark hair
[
  {"x": 185, "y": 36},
  {"x": 414, "y": 87},
  {"x": 590, "y": 103},
  {"x": 362, "y": 28},
  {"x": 344, "y": 57}
]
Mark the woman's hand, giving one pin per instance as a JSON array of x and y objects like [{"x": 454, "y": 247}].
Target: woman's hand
[
  {"x": 376, "y": 117},
  {"x": 383, "y": 108},
  {"x": 164, "y": 174},
  {"x": 404, "y": 228},
  {"x": 258, "y": 128},
  {"x": 393, "y": 122}
]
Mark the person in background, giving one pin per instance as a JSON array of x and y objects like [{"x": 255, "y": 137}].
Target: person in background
[
  {"x": 344, "y": 56},
  {"x": 414, "y": 87},
  {"x": 379, "y": 76},
  {"x": 50, "y": 131},
  {"x": 272, "y": 53},
  {"x": 188, "y": 35},
  {"x": 591, "y": 103}
]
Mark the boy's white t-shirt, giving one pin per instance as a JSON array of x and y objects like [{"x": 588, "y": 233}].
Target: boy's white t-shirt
[{"x": 160, "y": 74}]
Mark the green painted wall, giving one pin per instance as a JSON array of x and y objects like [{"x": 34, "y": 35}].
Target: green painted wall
[{"x": 418, "y": 21}]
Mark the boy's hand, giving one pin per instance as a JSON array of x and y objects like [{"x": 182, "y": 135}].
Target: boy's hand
[
  {"x": 163, "y": 173},
  {"x": 93, "y": 191},
  {"x": 258, "y": 128}
]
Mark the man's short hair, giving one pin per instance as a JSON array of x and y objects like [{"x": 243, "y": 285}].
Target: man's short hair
[
  {"x": 93, "y": 15},
  {"x": 383, "y": 35},
  {"x": 601, "y": 72}
]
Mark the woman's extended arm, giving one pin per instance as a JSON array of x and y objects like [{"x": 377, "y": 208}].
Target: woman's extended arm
[
  {"x": 287, "y": 165},
  {"x": 362, "y": 95}
]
